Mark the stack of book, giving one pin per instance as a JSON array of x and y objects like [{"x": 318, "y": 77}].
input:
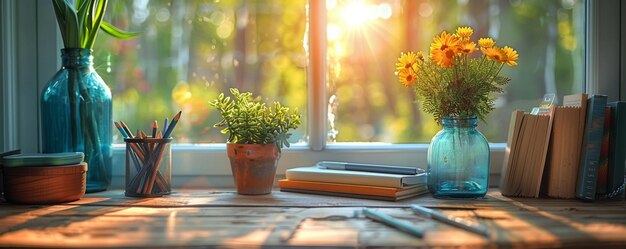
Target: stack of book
[
  {"x": 577, "y": 150},
  {"x": 353, "y": 183}
]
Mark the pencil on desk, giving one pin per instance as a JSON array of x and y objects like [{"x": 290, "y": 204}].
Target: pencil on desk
[
  {"x": 392, "y": 222},
  {"x": 464, "y": 224}
]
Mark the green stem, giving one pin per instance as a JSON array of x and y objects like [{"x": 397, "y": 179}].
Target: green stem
[
  {"x": 90, "y": 130},
  {"x": 72, "y": 80}
]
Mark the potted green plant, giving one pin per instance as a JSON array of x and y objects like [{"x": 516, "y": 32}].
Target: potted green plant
[{"x": 256, "y": 134}]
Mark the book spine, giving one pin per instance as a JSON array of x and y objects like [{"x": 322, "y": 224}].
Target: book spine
[
  {"x": 590, "y": 153},
  {"x": 603, "y": 168},
  {"x": 617, "y": 146}
]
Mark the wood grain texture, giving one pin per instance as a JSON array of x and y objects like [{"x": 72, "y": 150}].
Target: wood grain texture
[{"x": 203, "y": 218}]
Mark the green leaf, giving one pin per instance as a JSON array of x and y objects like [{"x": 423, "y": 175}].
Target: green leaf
[
  {"x": 97, "y": 18},
  {"x": 83, "y": 16},
  {"x": 73, "y": 34},
  {"x": 116, "y": 32},
  {"x": 59, "y": 11}
]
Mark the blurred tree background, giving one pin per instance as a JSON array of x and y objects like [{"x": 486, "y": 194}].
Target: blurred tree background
[{"x": 190, "y": 51}]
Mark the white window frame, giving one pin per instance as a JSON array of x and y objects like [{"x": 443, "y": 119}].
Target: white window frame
[{"x": 30, "y": 56}]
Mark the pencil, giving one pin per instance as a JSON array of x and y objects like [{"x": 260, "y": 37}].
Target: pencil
[
  {"x": 155, "y": 126},
  {"x": 121, "y": 130},
  {"x": 392, "y": 222},
  {"x": 125, "y": 127},
  {"x": 170, "y": 128},
  {"x": 164, "y": 127},
  {"x": 467, "y": 225}
]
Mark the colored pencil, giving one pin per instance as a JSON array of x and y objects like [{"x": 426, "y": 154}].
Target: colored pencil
[
  {"x": 151, "y": 154},
  {"x": 164, "y": 127},
  {"x": 125, "y": 127},
  {"x": 170, "y": 128},
  {"x": 121, "y": 130},
  {"x": 155, "y": 126}
]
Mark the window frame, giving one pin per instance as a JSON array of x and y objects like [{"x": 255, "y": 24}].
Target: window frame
[{"x": 36, "y": 47}]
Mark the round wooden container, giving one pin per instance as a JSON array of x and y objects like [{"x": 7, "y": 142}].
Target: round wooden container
[{"x": 45, "y": 185}]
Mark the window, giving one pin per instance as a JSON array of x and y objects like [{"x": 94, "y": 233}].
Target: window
[
  {"x": 366, "y": 37},
  {"x": 27, "y": 67},
  {"x": 190, "y": 51}
]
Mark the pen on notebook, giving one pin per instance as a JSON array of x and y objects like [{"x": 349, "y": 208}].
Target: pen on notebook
[
  {"x": 399, "y": 170},
  {"x": 464, "y": 224},
  {"x": 392, "y": 222}
]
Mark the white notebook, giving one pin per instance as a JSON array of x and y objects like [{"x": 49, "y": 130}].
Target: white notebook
[{"x": 315, "y": 174}]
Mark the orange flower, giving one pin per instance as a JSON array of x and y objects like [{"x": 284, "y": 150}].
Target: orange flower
[
  {"x": 407, "y": 77},
  {"x": 406, "y": 60},
  {"x": 467, "y": 47},
  {"x": 495, "y": 54},
  {"x": 486, "y": 42},
  {"x": 443, "y": 58},
  {"x": 443, "y": 42},
  {"x": 510, "y": 56},
  {"x": 464, "y": 32}
]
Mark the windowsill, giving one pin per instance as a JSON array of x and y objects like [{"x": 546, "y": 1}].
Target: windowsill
[{"x": 206, "y": 165}]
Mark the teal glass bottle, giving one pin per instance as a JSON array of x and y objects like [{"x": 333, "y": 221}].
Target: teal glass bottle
[
  {"x": 76, "y": 115},
  {"x": 458, "y": 160}
]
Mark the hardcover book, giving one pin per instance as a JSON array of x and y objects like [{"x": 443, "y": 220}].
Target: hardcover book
[
  {"x": 603, "y": 167},
  {"x": 617, "y": 146},
  {"x": 372, "y": 197},
  {"x": 590, "y": 152},
  {"x": 526, "y": 153},
  {"x": 565, "y": 146},
  {"x": 351, "y": 188}
]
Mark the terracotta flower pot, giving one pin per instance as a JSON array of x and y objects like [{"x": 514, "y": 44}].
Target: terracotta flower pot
[{"x": 253, "y": 166}]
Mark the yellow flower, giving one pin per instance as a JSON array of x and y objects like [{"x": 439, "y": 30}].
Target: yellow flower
[
  {"x": 406, "y": 60},
  {"x": 443, "y": 58},
  {"x": 494, "y": 54},
  {"x": 407, "y": 77},
  {"x": 464, "y": 32},
  {"x": 443, "y": 42},
  {"x": 467, "y": 47},
  {"x": 510, "y": 56},
  {"x": 420, "y": 56},
  {"x": 486, "y": 42}
]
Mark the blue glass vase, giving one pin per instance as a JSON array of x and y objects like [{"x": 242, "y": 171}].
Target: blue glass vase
[
  {"x": 76, "y": 115},
  {"x": 458, "y": 160}
]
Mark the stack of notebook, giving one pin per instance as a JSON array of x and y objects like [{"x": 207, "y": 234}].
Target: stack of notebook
[{"x": 354, "y": 183}]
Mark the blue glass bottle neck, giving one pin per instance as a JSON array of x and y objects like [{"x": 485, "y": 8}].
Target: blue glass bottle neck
[
  {"x": 467, "y": 122},
  {"x": 76, "y": 57}
]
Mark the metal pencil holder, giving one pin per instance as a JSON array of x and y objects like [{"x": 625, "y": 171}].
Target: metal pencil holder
[{"x": 148, "y": 167}]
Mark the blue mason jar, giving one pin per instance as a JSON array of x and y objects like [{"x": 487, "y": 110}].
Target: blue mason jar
[
  {"x": 458, "y": 160},
  {"x": 76, "y": 115}
]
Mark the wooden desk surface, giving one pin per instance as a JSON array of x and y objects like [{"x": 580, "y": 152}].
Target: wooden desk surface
[{"x": 198, "y": 218}]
